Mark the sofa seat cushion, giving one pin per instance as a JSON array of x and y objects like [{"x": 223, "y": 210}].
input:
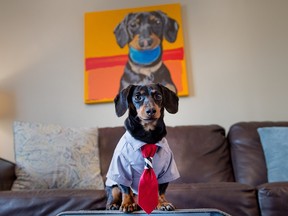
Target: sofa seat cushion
[
  {"x": 50, "y": 202},
  {"x": 233, "y": 198},
  {"x": 273, "y": 198},
  {"x": 50, "y": 156}
]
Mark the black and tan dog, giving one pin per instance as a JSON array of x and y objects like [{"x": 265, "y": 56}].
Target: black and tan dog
[
  {"x": 144, "y": 33},
  {"x": 144, "y": 124}
]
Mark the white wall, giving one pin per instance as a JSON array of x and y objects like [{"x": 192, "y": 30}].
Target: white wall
[{"x": 236, "y": 52}]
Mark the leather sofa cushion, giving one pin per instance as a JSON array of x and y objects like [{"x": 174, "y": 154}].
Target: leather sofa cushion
[
  {"x": 201, "y": 153},
  {"x": 7, "y": 175},
  {"x": 107, "y": 140},
  {"x": 233, "y": 198},
  {"x": 247, "y": 154},
  {"x": 50, "y": 202},
  {"x": 273, "y": 198}
]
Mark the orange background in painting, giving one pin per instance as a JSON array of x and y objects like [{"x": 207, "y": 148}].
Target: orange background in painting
[{"x": 102, "y": 83}]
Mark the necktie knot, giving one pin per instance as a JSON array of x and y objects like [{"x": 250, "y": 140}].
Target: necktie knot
[
  {"x": 148, "y": 163},
  {"x": 148, "y": 150}
]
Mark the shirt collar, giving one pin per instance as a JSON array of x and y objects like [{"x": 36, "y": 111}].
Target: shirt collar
[{"x": 137, "y": 144}]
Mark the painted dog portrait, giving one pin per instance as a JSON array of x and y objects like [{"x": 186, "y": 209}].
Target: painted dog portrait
[
  {"x": 144, "y": 32},
  {"x": 138, "y": 46}
]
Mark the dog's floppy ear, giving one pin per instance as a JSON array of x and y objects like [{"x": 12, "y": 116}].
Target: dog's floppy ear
[
  {"x": 121, "y": 100},
  {"x": 121, "y": 33},
  {"x": 171, "y": 27},
  {"x": 170, "y": 99}
]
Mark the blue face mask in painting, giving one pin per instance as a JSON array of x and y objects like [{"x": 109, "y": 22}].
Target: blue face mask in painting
[{"x": 144, "y": 57}]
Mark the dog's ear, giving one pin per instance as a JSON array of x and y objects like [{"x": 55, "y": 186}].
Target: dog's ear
[
  {"x": 170, "y": 99},
  {"x": 171, "y": 27},
  {"x": 121, "y": 100},
  {"x": 121, "y": 33}
]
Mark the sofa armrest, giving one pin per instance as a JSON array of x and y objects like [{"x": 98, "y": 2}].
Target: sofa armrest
[
  {"x": 7, "y": 174},
  {"x": 273, "y": 198}
]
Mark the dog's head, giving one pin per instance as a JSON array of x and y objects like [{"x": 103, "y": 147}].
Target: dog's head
[
  {"x": 146, "y": 103},
  {"x": 146, "y": 30}
]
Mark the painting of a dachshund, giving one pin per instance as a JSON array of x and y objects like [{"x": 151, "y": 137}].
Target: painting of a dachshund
[{"x": 144, "y": 32}]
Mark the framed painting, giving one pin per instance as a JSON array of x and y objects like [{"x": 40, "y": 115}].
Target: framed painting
[{"x": 133, "y": 46}]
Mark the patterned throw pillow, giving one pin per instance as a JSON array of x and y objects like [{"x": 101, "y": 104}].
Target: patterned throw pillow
[{"x": 53, "y": 157}]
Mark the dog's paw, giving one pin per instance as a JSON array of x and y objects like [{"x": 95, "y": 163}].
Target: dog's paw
[
  {"x": 128, "y": 207},
  {"x": 165, "y": 206},
  {"x": 113, "y": 206}
]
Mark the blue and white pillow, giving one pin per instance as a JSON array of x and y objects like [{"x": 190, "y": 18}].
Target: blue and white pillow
[
  {"x": 275, "y": 146},
  {"x": 53, "y": 157}
]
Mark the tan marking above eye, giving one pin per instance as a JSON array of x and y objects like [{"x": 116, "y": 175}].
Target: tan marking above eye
[
  {"x": 154, "y": 19},
  {"x": 136, "y": 21}
]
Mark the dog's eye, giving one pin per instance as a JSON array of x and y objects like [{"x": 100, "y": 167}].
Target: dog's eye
[
  {"x": 138, "y": 97},
  {"x": 134, "y": 24},
  {"x": 155, "y": 20},
  {"x": 158, "y": 22},
  {"x": 158, "y": 97}
]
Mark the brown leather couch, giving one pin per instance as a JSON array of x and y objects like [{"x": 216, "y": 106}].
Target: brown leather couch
[
  {"x": 250, "y": 167},
  {"x": 217, "y": 171}
]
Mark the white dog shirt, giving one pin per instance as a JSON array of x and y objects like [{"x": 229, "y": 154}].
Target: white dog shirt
[{"x": 128, "y": 164}]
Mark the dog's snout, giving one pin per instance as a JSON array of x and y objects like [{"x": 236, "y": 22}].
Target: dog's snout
[
  {"x": 145, "y": 42},
  {"x": 150, "y": 111},
  {"x": 145, "y": 39}
]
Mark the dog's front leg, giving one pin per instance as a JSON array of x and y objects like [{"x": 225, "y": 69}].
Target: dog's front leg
[
  {"x": 113, "y": 197},
  {"x": 163, "y": 204},
  {"x": 128, "y": 204}
]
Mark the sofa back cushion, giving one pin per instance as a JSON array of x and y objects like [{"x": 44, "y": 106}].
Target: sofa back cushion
[
  {"x": 247, "y": 153},
  {"x": 108, "y": 138},
  {"x": 201, "y": 152},
  {"x": 7, "y": 176}
]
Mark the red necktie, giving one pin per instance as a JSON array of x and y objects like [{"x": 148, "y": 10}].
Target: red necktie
[{"x": 148, "y": 184}]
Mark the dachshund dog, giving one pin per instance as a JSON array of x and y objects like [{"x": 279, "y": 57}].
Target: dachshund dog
[
  {"x": 144, "y": 124},
  {"x": 144, "y": 33}
]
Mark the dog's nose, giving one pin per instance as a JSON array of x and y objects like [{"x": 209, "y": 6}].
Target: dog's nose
[
  {"x": 150, "y": 111},
  {"x": 145, "y": 42}
]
